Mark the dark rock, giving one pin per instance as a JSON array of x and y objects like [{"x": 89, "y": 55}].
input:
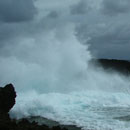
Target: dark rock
[
  {"x": 7, "y": 98},
  {"x": 56, "y": 128}
]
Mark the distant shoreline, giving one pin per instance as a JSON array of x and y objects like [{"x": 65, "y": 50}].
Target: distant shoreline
[{"x": 120, "y": 66}]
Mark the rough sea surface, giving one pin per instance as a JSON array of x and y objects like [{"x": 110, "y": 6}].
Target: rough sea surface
[{"x": 95, "y": 110}]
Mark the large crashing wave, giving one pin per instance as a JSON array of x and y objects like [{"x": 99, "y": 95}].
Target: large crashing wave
[
  {"x": 49, "y": 63},
  {"x": 53, "y": 80}
]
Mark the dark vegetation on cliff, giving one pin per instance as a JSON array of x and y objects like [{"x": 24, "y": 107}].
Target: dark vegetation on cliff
[{"x": 120, "y": 66}]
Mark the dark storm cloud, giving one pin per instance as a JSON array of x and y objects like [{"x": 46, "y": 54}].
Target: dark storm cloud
[
  {"x": 16, "y": 20},
  {"x": 53, "y": 14},
  {"x": 112, "y": 51},
  {"x": 107, "y": 40},
  {"x": 16, "y": 10},
  {"x": 108, "y": 36},
  {"x": 104, "y": 22},
  {"x": 80, "y": 8},
  {"x": 115, "y": 7}
]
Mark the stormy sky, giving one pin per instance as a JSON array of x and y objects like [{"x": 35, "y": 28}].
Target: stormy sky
[{"x": 103, "y": 24}]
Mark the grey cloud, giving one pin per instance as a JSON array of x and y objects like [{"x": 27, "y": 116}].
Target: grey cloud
[
  {"x": 109, "y": 36},
  {"x": 15, "y": 30},
  {"x": 16, "y": 10},
  {"x": 112, "y": 51},
  {"x": 80, "y": 8},
  {"x": 109, "y": 42},
  {"x": 53, "y": 14},
  {"x": 115, "y": 7},
  {"x": 118, "y": 35}
]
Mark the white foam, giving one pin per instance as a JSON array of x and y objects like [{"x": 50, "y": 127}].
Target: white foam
[{"x": 88, "y": 109}]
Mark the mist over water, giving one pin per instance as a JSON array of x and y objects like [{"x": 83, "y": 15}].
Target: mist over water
[
  {"x": 52, "y": 78},
  {"x": 48, "y": 64}
]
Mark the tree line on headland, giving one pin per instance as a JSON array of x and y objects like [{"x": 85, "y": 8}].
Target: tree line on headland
[{"x": 120, "y": 66}]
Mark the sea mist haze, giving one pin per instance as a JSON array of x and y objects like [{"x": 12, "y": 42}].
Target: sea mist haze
[{"x": 46, "y": 52}]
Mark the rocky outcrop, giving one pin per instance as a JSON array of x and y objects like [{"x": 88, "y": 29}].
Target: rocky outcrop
[{"x": 7, "y": 98}]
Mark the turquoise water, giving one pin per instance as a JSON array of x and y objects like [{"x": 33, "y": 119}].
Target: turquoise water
[{"x": 90, "y": 110}]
